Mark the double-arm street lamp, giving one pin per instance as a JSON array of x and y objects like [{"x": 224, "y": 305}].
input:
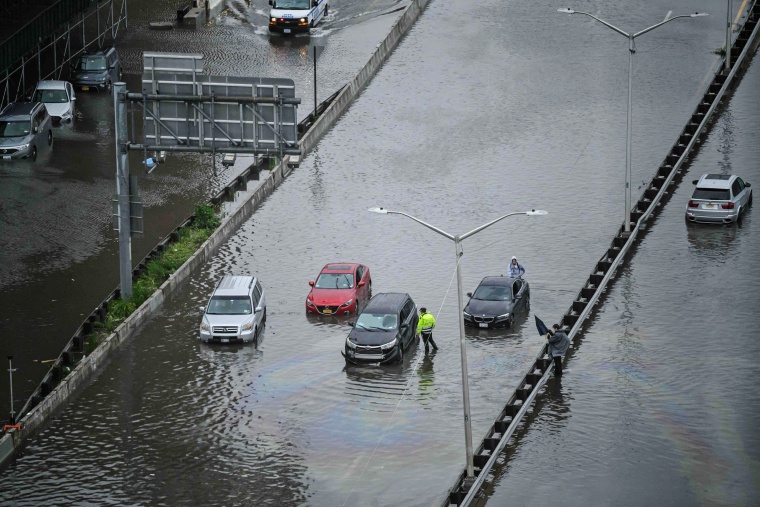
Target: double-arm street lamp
[
  {"x": 631, "y": 51},
  {"x": 458, "y": 251}
]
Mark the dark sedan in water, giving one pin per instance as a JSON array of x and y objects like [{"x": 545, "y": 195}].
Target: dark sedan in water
[{"x": 496, "y": 301}]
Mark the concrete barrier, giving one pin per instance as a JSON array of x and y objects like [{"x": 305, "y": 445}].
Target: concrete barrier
[{"x": 91, "y": 366}]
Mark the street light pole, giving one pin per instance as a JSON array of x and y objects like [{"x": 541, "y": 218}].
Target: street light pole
[
  {"x": 10, "y": 372},
  {"x": 462, "y": 344},
  {"x": 629, "y": 129}
]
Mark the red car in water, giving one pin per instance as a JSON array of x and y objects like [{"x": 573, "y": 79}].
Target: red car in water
[{"x": 340, "y": 289}]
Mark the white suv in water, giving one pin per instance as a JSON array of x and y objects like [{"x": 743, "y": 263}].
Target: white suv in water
[{"x": 236, "y": 311}]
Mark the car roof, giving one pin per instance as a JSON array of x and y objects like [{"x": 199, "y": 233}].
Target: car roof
[
  {"x": 497, "y": 280},
  {"x": 340, "y": 267},
  {"x": 51, "y": 85},
  {"x": 98, "y": 52},
  {"x": 19, "y": 110},
  {"x": 720, "y": 181},
  {"x": 386, "y": 301},
  {"x": 234, "y": 285}
]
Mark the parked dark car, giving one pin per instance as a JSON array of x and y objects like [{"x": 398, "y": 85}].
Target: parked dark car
[
  {"x": 384, "y": 331},
  {"x": 96, "y": 70},
  {"x": 496, "y": 301},
  {"x": 23, "y": 127}
]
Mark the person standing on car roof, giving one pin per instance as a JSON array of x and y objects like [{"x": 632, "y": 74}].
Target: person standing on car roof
[
  {"x": 425, "y": 328},
  {"x": 515, "y": 269}
]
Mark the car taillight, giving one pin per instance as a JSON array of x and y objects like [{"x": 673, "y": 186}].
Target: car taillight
[
  {"x": 728, "y": 205},
  {"x": 693, "y": 204}
]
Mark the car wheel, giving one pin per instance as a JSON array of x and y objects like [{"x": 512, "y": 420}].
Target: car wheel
[
  {"x": 50, "y": 137},
  {"x": 749, "y": 202},
  {"x": 264, "y": 317},
  {"x": 327, "y": 7},
  {"x": 400, "y": 354},
  {"x": 108, "y": 86},
  {"x": 33, "y": 156}
]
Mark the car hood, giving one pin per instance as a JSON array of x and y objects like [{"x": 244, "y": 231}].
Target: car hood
[
  {"x": 58, "y": 109},
  {"x": 227, "y": 320},
  {"x": 481, "y": 307},
  {"x": 373, "y": 338},
  {"x": 331, "y": 297},
  {"x": 15, "y": 141},
  {"x": 289, "y": 13}
]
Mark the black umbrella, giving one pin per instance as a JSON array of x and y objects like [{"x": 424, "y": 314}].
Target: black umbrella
[{"x": 542, "y": 329}]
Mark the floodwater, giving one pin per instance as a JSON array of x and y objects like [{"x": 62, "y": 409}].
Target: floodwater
[{"x": 473, "y": 116}]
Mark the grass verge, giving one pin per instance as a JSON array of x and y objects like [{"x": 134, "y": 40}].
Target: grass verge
[{"x": 157, "y": 271}]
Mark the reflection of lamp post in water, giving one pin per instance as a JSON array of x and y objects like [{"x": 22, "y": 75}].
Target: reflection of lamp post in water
[
  {"x": 458, "y": 251},
  {"x": 631, "y": 51},
  {"x": 10, "y": 372}
]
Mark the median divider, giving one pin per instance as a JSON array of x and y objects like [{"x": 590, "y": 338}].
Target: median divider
[{"x": 76, "y": 367}]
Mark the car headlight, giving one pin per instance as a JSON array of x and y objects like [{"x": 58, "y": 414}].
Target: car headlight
[
  {"x": 204, "y": 326},
  {"x": 273, "y": 20},
  {"x": 247, "y": 326},
  {"x": 348, "y": 302},
  {"x": 503, "y": 316},
  {"x": 350, "y": 344},
  {"x": 22, "y": 146},
  {"x": 66, "y": 115},
  {"x": 310, "y": 302},
  {"x": 303, "y": 20},
  {"x": 466, "y": 314},
  {"x": 389, "y": 345}
]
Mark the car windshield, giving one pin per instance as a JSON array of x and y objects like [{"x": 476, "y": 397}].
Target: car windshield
[
  {"x": 51, "y": 96},
  {"x": 293, "y": 4},
  {"x": 377, "y": 321},
  {"x": 92, "y": 63},
  {"x": 335, "y": 281},
  {"x": 14, "y": 128},
  {"x": 229, "y": 305},
  {"x": 711, "y": 194},
  {"x": 493, "y": 293}
]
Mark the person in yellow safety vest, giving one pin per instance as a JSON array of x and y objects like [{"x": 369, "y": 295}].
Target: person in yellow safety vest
[{"x": 425, "y": 328}]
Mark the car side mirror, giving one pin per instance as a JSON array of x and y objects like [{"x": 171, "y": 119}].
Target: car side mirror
[
  {"x": 202, "y": 308},
  {"x": 258, "y": 309},
  {"x": 361, "y": 284},
  {"x": 469, "y": 294},
  {"x": 273, "y": 4},
  {"x": 351, "y": 323},
  {"x": 314, "y": 3},
  {"x": 311, "y": 283},
  {"x": 35, "y": 129},
  {"x": 747, "y": 184},
  {"x": 694, "y": 182}
]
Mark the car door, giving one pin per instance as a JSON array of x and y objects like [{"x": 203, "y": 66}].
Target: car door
[
  {"x": 740, "y": 190},
  {"x": 518, "y": 295},
  {"x": 361, "y": 292}
]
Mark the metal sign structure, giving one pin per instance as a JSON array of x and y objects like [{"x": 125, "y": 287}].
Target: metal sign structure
[{"x": 184, "y": 110}]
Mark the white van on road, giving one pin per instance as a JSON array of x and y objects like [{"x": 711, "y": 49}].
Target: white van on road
[{"x": 296, "y": 16}]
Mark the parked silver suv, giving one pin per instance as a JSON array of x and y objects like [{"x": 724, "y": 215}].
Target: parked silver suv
[
  {"x": 236, "y": 311},
  {"x": 719, "y": 198},
  {"x": 23, "y": 127}
]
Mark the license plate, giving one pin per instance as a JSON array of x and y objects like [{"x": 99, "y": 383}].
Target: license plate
[
  {"x": 326, "y": 310},
  {"x": 709, "y": 206},
  {"x": 85, "y": 88},
  {"x": 225, "y": 340},
  {"x": 286, "y": 30},
  {"x": 483, "y": 324}
]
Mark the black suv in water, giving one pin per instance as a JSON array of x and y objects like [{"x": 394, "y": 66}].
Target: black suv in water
[
  {"x": 384, "y": 331},
  {"x": 97, "y": 70}
]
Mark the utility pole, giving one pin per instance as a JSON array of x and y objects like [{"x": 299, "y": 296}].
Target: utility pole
[{"x": 123, "y": 190}]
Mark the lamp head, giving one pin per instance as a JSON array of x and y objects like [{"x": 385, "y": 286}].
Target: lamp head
[
  {"x": 566, "y": 11},
  {"x": 698, "y": 14},
  {"x": 536, "y": 212},
  {"x": 382, "y": 211}
]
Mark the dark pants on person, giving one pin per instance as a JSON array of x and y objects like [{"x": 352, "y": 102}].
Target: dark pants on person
[
  {"x": 427, "y": 337},
  {"x": 557, "y": 366}
]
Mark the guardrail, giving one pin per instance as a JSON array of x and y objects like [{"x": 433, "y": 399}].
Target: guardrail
[{"x": 651, "y": 200}]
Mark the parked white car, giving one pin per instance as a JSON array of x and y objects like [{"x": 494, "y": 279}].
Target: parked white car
[
  {"x": 236, "y": 312},
  {"x": 58, "y": 97}
]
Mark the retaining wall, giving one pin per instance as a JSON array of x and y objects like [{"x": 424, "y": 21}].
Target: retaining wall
[{"x": 90, "y": 366}]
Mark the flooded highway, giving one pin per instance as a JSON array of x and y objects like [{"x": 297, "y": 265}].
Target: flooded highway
[{"x": 456, "y": 133}]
